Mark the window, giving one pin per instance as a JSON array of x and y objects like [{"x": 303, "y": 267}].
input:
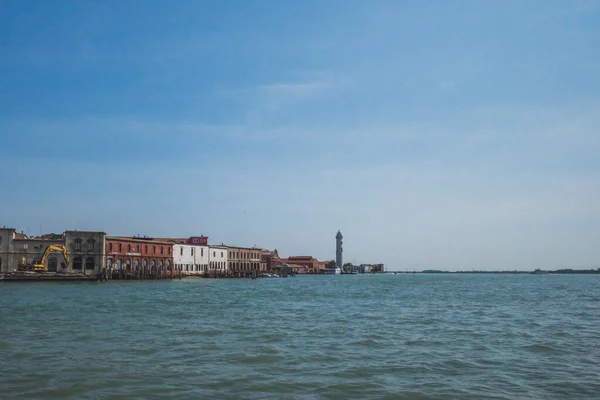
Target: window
[
  {"x": 214, "y": 253},
  {"x": 181, "y": 251},
  {"x": 192, "y": 251},
  {"x": 89, "y": 264},
  {"x": 196, "y": 240},
  {"x": 201, "y": 252},
  {"x": 162, "y": 249},
  {"x": 169, "y": 250},
  {"x": 129, "y": 248},
  {"x": 77, "y": 262},
  {"x": 91, "y": 245},
  {"x": 146, "y": 249},
  {"x": 120, "y": 248},
  {"x": 137, "y": 248},
  {"x": 154, "y": 249},
  {"x": 77, "y": 244},
  {"x": 110, "y": 247}
]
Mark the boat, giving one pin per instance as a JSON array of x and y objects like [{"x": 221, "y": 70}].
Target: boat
[{"x": 538, "y": 272}]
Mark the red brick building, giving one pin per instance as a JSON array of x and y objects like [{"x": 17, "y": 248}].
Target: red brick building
[
  {"x": 136, "y": 254},
  {"x": 303, "y": 264}
]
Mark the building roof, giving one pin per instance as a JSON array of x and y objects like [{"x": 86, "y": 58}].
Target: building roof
[
  {"x": 79, "y": 231},
  {"x": 37, "y": 239},
  {"x": 137, "y": 239},
  {"x": 268, "y": 252},
  {"x": 242, "y": 248},
  {"x": 172, "y": 240},
  {"x": 49, "y": 236}
]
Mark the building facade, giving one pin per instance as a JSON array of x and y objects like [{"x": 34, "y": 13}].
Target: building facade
[
  {"x": 244, "y": 261},
  {"x": 303, "y": 264},
  {"x": 139, "y": 255},
  {"x": 192, "y": 259},
  {"x": 268, "y": 259},
  {"x": 6, "y": 236},
  {"x": 85, "y": 251},
  {"x": 217, "y": 260}
]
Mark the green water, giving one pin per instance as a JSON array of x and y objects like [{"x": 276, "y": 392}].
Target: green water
[{"x": 326, "y": 337}]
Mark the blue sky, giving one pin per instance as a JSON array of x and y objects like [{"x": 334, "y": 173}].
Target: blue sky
[{"x": 438, "y": 134}]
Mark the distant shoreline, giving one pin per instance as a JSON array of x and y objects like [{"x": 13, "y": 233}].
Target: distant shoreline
[{"x": 536, "y": 272}]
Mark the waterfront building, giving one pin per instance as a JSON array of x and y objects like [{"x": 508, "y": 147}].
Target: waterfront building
[
  {"x": 217, "y": 260},
  {"x": 84, "y": 249},
  {"x": 191, "y": 257},
  {"x": 139, "y": 254},
  {"x": 299, "y": 268},
  {"x": 6, "y": 236},
  {"x": 303, "y": 264},
  {"x": 374, "y": 268},
  {"x": 244, "y": 261},
  {"x": 268, "y": 259}
]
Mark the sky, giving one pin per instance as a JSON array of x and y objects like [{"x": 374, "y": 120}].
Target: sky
[{"x": 452, "y": 135}]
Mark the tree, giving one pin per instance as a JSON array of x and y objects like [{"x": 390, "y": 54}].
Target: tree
[
  {"x": 348, "y": 265},
  {"x": 331, "y": 264}
]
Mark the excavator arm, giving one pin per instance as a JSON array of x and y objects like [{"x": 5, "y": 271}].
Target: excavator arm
[{"x": 41, "y": 265}]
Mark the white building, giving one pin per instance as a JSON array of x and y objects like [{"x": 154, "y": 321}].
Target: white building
[
  {"x": 217, "y": 259},
  {"x": 191, "y": 259}
]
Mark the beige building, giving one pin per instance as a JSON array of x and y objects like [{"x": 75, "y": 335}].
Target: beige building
[{"x": 243, "y": 261}]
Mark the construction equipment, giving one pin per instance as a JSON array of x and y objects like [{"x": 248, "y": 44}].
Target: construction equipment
[{"x": 41, "y": 265}]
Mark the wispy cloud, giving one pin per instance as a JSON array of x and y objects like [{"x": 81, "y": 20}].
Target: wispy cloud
[{"x": 295, "y": 90}]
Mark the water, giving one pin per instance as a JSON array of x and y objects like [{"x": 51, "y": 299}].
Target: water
[{"x": 329, "y": 337}]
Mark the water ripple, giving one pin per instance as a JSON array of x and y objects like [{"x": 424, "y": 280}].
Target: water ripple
[{"x": 363, "y": 337}]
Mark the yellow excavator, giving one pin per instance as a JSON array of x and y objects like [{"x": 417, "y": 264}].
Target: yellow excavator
[{"x": 41, "y": 265}]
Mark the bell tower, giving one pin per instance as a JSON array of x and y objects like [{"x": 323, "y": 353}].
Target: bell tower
[{"x": 338, "y": 250}]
